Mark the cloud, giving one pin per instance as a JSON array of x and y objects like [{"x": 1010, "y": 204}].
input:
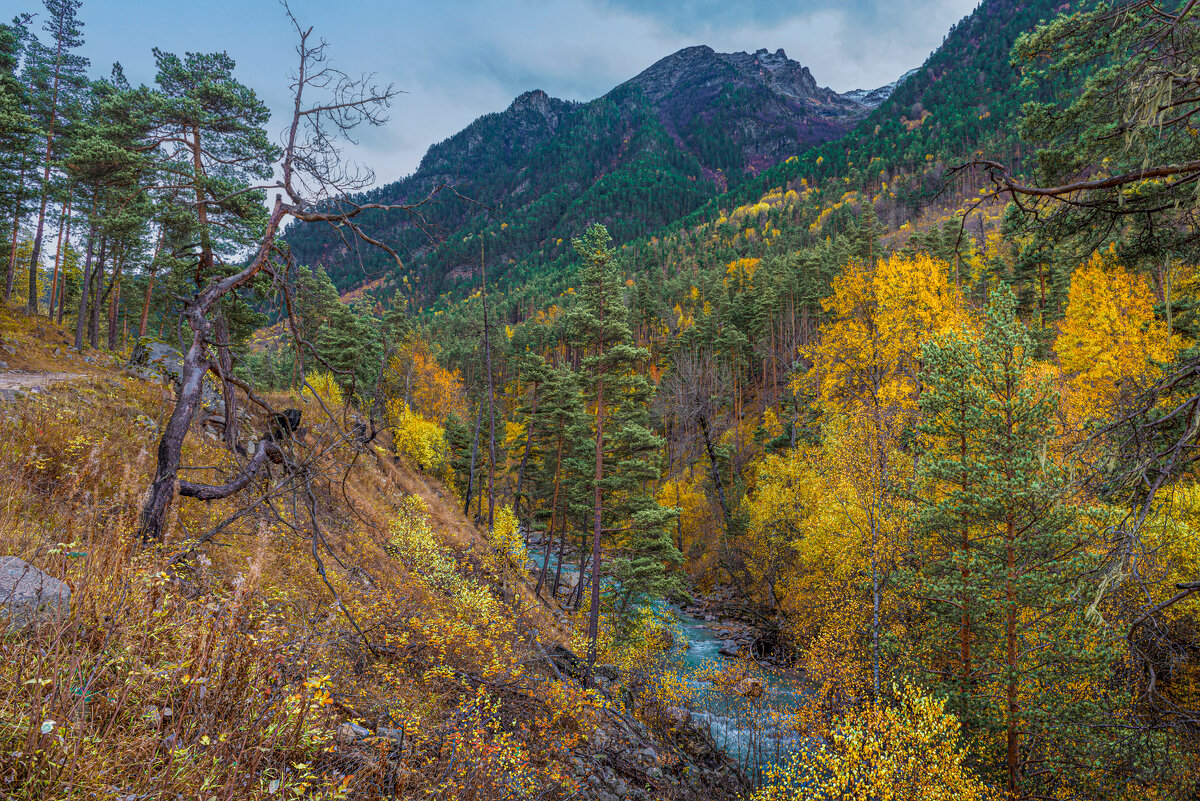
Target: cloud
[{"x": 459, "y": 60}]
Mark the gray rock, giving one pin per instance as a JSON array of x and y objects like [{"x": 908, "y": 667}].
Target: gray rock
[
  {"x": 395, "y": 735},
  {"x": 729, "y": 648},
  {"x": 352, "y": 731},
  {"x": 27, "y": 593},
  {"x": 156, "y": 361}
]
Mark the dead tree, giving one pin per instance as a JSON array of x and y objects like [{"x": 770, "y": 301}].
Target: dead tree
[{"x": 313, "y": 186}]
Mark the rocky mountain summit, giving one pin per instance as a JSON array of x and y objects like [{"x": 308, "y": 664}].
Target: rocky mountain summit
[
  {"x": 702, "y": 67},
  {"x": 873, "y": 98},
  {"x": 742, "y": 112}
]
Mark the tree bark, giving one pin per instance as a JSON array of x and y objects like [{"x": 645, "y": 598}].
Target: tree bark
[
  {"x": 212, "y": 492},
  {"x": 195, "y": 364},
  {"x": 150, "y": 283},
  {"x": 85, "y": 285},
  {"x": 553, "y": 515},
  {"x": 487, "y": 356},
  {"x": 474, "y": 455},
  {"x": 64, "y": 231},
  {"x": 162, "y": 490},
  {"x": 32, "y": 306},
  {"x": 224, "y": 365},
  {"x": 597, "y": 527},
  {"x": 97, "y": 296},
  {"x": 114, "y": 310}
]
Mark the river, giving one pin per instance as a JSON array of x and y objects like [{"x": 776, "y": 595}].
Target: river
[{"x": 754, "y": 731}]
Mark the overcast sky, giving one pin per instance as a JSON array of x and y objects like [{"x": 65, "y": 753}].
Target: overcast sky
[{"x": 458, "y": 59}]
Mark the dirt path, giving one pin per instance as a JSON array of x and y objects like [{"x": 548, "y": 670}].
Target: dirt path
[{"x": 22, "y": 380}]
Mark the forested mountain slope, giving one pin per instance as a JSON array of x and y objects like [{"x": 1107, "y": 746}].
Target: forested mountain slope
[{"x": 650, "y": 151}]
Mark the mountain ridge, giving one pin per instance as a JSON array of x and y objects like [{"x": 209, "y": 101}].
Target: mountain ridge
[{"x": 650, "y": 150}]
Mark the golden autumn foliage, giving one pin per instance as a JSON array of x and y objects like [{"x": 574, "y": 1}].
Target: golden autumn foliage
[
  {"x": 696, "y": 527},
  {"x": 1110, "y": 340},
  {"x": 432, "y": 390},
  {"x": 508, "y": 539},
  {"x": 422, "y": 440},
  {"x": 324, "y": 386},
  {"x": 908, "y": 750},
  {"x": 881, "y": 315}
]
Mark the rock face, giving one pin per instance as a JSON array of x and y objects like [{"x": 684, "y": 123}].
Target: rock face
[
  {"x": 744, "y": 110},
  {"x": 28, "y": 594},
  {"x": 156, "y": 361}
]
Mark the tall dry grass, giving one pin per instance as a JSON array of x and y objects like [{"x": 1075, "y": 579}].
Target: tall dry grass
[{"x": 224, "y": 667}]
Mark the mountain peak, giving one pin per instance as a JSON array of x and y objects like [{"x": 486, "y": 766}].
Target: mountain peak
[
  {"x": 539, "y": 103},
  {"x": 701, "y": 65}
]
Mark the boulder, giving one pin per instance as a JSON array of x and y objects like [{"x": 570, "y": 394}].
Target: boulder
[
  {"x": 156, "y": 361},
  {"x": 749, "y": 688},
  {"x": 348, "y": 732},
  {"x": 729, "y": 648},
  {"x": 27, "y": 593}
]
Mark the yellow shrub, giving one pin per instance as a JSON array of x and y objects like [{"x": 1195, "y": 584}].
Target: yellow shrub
[
  {"x": 909, "y": 750},
  {"x": 506, "y": 536},
  {"x": 422, "y": 551},
  {"x": 325, "y": 387},
  {"x": 422, "y": 441}
]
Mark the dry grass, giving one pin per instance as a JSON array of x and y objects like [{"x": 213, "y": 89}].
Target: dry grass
[{"x": 224, "y": 669}]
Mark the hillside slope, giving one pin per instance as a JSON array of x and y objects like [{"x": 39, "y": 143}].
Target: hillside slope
[
  {"x": 530, "y": 177},
  {"x": 337, "y": 629}
]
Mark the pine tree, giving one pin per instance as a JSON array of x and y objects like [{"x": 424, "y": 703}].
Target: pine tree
[
  {"x": 624, "y": 446},
  {"x": 1012, "y": 647},
  {"x": 16, "y": 130},
  {"x": 57, "y": 77}
]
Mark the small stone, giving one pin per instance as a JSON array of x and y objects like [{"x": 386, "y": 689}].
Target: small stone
[{"x": 352, "y": 731}]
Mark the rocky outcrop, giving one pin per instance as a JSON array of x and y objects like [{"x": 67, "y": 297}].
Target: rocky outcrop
[
  {"x": 703, "y": 67},
  {"x": 27, "y": 594}
]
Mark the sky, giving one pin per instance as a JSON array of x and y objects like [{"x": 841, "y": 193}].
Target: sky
[{"x": 455, "y": 60}]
